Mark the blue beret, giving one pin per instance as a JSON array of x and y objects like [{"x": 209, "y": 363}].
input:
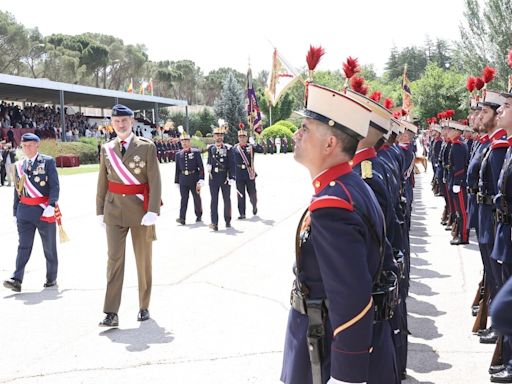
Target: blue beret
[
  {"x": 121, "y": 110},
  {"x": 29, "y": 137}
]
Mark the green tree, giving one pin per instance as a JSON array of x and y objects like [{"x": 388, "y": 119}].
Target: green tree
[
  {"x": 212, "y": 83},
  {"x": 230, "y": 106},
  {"x": 13, "y": 44},
  {"x": 437, "y": 91}
]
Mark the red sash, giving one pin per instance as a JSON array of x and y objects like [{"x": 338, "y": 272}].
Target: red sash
[{"x": 131, "y": 189}]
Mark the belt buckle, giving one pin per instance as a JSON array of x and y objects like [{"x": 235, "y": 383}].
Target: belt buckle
[
  {"x": 186, "y": 172},
  {"x": 216, "y": 170},
  {"x": 243, "y": 166}
]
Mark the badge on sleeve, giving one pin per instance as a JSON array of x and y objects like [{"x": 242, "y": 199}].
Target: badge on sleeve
[{"x": 366, "y": 169}]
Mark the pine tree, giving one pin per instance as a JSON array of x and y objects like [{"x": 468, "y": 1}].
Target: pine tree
[{"x": 230, "y": 106}]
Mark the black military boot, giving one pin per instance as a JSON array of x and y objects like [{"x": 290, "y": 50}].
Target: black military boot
[{"x": 504, "y": 376}]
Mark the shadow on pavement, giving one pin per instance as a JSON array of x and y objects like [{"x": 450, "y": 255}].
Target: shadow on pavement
[
  {"x": 264, "y": 221},
  {"x": 426, "y": 273},
  {"x": 422, "y": 308},
  {"x": 139, "y": 339},
  {"x": 421, "y": 327},
  {"x": 32, "y": 298},
  {"x": 422, "y": 289},
  {"x": 424, "y": 359},
  {"x": 412, "y": 380}
]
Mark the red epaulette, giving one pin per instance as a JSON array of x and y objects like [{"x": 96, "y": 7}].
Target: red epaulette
[
  {"x": 327, "y": 201},
  {"x": 500, "y": 144}
]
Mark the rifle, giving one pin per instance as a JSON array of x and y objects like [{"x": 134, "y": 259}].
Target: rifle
[
  {"x": 483, "y": 309},
  {"x": 497, "y": 356},
  {"x": 479, "y": 294}
]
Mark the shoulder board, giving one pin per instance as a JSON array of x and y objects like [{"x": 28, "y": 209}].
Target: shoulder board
[
  {"x": 145, "y": 139},
  {"x": 500, "y": 144},
  {"x": 330, "y": 202}
]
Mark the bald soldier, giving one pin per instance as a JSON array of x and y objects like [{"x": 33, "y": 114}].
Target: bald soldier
[{"x": 128, "y": 199}]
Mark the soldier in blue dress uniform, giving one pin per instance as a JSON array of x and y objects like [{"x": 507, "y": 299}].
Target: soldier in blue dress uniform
[
  {"x": 245, "y": 174},
  {"x": 190, "y": 178},
  {"x": 221, "y": 171},
  {"x": 501, "y": 314},
  {"x": 35, "y": 197},
  {"x": 457, "y": 170},
  {"x": 334, "y": 333},
  {"x": 487, "y": 190},
  {"x": 502, "y": 250},
  {"x": 435, "y": 148}
]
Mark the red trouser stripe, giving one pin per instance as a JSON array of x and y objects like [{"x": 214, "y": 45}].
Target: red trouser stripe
[{"x": 462, "y": 205}]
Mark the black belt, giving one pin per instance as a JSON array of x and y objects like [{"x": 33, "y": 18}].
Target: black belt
[
  {"x": 502, "y": 217},
  {"x": 187, "y": 172},
  {"x": 241, "y": 166},
  {"x": 484, "y": 199},
  {"x": 472, "y": 191}
]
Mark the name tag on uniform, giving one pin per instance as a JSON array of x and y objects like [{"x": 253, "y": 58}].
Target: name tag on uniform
[
  {"x": 216, "y": 169},
  {"x": 186, "y": 172},
  {"x": 243, "y": 166}
]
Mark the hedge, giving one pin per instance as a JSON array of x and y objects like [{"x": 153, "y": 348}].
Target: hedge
[
  {"x": 288, "y": 124},
  {"x": 88, "y": 153}
]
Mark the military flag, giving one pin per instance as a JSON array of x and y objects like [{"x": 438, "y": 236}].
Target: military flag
[
  {"x": 406, "y": 93},
  {"x": 253, "y": 109},
  {"x": 282, "y": 76}
]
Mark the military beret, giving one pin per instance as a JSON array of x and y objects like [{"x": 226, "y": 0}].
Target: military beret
[
  {"x": 121, "y": 110},
  {"x": 29, "y": 137}
]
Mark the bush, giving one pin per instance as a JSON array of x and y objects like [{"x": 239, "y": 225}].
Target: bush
[
  {"x": 89, "y": 140},
  {"x": 198, "y": 134},
  {"x": 288, "y": 124},
  {"x": 196, "y": 142},
  {"x": 87, "y": 153},
  {"x": 277, "y": 130}
]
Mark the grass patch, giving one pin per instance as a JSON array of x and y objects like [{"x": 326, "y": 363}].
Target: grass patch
[{"x": 87, "y": 168}]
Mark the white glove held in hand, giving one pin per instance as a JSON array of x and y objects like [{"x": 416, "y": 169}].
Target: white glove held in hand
[
  {"x": 101, "y": 221},
  {"x": 200, "y": 183},
  {"x": 49, "y": 211},
  {"x": 232, "y": 182},
  {"x": 149, "y": 219},
  {"x": 251, "y": 140},
  {"x": 332, "y": 380},
  {"x": 14, "y": 220},
  {"x": 456, "y": 188}
]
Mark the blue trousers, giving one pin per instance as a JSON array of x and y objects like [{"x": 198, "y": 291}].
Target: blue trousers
[
  {"x": 26, "y": 233},
  {"x": 215, "y": 184}
]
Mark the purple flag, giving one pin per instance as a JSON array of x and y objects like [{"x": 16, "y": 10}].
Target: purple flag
[{"x": 253, "y": 109}]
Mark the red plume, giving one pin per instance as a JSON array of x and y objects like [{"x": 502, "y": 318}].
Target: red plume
[
  {"x": 403, "y": 112},
  {"x": 479, "y": 83},
  {"x": 396, "y": 114},
  {"x": 488, "y": 74},
  {"x": 351, "y": 67},
  {"x": 510, "y": 58},
  {"x": 470, "y": 83},
  {"x": 375, "y": 96},
  {"x": 388, "y": 103},
  {"x": 313, "y": 56},
  {"x": 441, "y": 115},
  {"x": 357, "y": 84},
  {"x": 241, "y": 125},
  {"x": 449, "y": 113}
]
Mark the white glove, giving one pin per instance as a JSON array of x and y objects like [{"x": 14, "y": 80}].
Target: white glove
[
  {"x": 200, "y": 183},
  {"x": 177, "y": 185},
  {"x": 15, "y": 220},
  {"x": 456, "y": 188},
  {"x": 149, "y": 218},
  {"x": 332, "y": 380},
  {"x": 101, "y": 221},
  {"x": 232, "y": 182},
  {"x": 49, "y": 211},
  {"x": 251, "y": 140},
  {"x": 209, "y": 167}
]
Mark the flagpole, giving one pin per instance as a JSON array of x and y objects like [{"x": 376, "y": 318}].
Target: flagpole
[{"x": 270, "y": 114}]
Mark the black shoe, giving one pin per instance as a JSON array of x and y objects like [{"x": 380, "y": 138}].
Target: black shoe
[
  {"x": 198, "y": 219},
  {"x": 49, "y": 284},
  {"x": 474, "y": 310},
  {"x": 484, "y": 332},
  {"x": 254, "y": 210},
  {"x": 228, "y": 224},
  {"x": 181, "y": 221},
  {"x": 403, "y": 375},
  {"x": 111, "y": 320},
  {"x": 448, "y": 227},
  {"x": 444, "y": 222},
  {"x": 496, "y": 368},
  {"x": 215, "y": 227},
  {"x": 458, "y": 241},
  {"x": 241, "y": 217},
  {"x": 12, "y": 284},
  {"x": 491, "y": 338},
  {"x": 504, "y": 376},
  {"x": 143, "y": 315}
]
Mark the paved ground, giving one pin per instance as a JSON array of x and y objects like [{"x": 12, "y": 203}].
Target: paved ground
[{"x": 220, "y": 300}]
